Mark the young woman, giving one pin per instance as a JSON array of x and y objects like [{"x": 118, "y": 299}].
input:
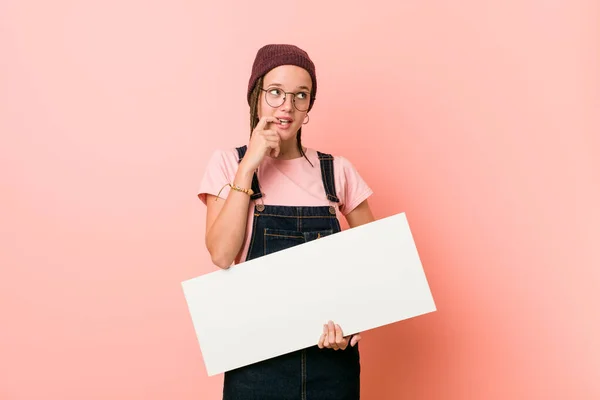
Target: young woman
[{"x": 272, "y": 194}]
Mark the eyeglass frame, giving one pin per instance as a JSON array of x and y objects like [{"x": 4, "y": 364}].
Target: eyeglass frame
[{"x": 310, "y": 98}]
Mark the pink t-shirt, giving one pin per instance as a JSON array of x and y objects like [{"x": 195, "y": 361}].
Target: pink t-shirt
[{"x": 286, "y": 183}]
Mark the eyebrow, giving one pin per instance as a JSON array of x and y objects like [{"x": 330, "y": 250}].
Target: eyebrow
[{"x": 280, "y": 85}]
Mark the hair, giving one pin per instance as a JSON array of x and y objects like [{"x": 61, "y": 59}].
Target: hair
[{"x": 254, "y": 98}]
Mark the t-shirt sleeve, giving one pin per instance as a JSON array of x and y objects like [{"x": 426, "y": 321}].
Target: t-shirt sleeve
[
  {"x": 220, "y": 170},
  {"x": 352, "y": 189}
]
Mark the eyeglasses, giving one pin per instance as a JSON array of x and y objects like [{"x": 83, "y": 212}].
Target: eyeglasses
[{"x": 276, "y": 97}]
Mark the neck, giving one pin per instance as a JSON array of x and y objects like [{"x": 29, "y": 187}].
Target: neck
[{"x": 288, "y": 150}]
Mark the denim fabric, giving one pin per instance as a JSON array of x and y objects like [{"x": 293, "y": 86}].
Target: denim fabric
[
  {"x": 327, "y": 175},
  {"x": 310, "y": 373}
]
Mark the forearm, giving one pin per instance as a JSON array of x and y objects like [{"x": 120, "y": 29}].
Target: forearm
[{"x": 225, "y": 236}]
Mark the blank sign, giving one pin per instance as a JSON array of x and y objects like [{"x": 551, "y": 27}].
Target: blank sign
[{"x": 361, "y": 278}]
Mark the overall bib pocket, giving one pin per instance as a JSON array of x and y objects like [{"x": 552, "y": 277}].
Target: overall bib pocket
[{"x": 279, "y": 239}]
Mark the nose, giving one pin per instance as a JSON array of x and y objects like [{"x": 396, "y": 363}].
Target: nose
[{"x": 288, "y": 103}]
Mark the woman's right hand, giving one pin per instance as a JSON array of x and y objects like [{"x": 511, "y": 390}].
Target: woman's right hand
[{"x": 263, "y": 141}]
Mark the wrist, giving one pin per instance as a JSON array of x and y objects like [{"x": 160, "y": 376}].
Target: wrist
[
  {"x": 237, "y": 188},
  {"x": 244, "y": 173}
]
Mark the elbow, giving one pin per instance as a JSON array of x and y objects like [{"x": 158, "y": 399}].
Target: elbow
[
  {"x": 219, "y": 256},
  {"x": 220, "y": 260}
]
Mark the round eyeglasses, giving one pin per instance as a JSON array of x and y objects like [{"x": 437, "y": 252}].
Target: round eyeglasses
[{"x": 276, "y": 97}]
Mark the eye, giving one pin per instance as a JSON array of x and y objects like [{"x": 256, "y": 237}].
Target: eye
[
  {"x": 302, "y": 95},
  {"x": 274, "y": 91}
]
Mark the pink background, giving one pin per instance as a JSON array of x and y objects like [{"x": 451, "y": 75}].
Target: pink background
[{"x": 478, "y": 119}]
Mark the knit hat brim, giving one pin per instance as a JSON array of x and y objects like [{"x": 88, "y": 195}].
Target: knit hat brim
[{"x": 274, "y": 55}]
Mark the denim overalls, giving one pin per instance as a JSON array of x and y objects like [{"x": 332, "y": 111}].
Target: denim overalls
[{"x": 310, "y": 373}]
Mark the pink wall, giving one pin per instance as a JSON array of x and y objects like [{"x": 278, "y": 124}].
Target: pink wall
[{"x": 478, "y": 119}]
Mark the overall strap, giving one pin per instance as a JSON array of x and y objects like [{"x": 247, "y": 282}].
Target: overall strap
[
  {"x": 328, "y": 176},
  {"x": 255, "y": 187}
]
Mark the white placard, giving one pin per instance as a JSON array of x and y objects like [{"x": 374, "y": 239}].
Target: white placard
[{"x": 361, "y": 278}]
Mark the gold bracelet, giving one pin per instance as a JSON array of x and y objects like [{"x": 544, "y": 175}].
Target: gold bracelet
[{"x": 249, "y": 192}]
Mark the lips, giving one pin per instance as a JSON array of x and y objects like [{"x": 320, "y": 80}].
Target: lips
[{"x": 284, "y": 121}]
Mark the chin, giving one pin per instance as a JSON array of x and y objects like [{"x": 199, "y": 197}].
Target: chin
[{"x": 288, "y": 134}]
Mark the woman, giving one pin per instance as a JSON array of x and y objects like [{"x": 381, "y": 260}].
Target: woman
[{"x": 273, "y": 194}]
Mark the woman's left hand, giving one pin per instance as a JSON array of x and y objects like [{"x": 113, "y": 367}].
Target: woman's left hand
[{"x": 333, "y": 338}]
